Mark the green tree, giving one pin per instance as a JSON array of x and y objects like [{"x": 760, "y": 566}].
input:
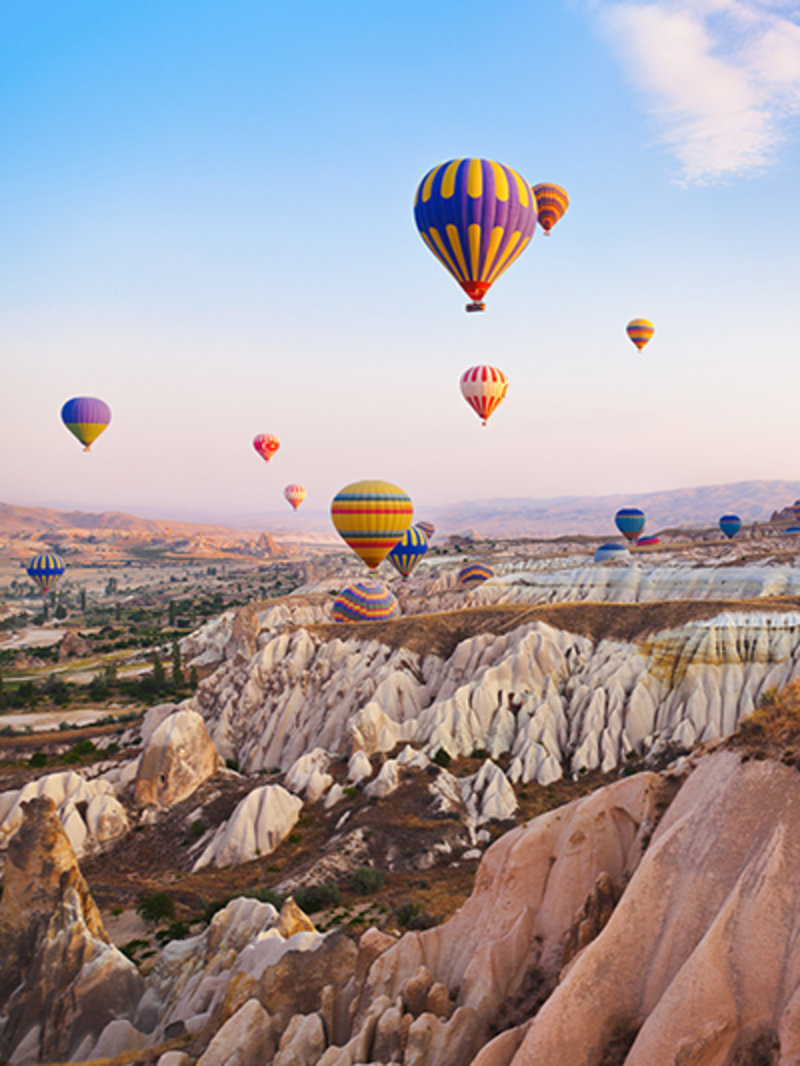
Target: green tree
[
  {"x": 177, "y": 672},
  {"x": 3, "y": 695},
  {"x": 159, "y": 678},
  {"x": 60, "y": 611},
  {"x": 193, "y": 682},
  {"x": 173, "y": 613},
  {"x": 111, "y": 586},
  {"x": 83, "y": 599}
]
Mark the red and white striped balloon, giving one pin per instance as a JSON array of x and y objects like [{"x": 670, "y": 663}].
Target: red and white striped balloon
[
  {"x": 295, "y": 494},
  {"x": 484, "y": 388}
]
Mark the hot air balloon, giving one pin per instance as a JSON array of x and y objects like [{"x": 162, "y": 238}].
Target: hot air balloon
[
  {"x": 606, "y": 553},
  {"x": 640, "y": 331},
  {"x": 792, "y": 529},
  {"x": 647, "y": 542},
  {"x": 371, "y": 516},
  {"x": 295, "y": 494},
  {"x": 266, "y": 445},
  {"x": 365, "y": 601},
  {"x": 629, "y": 521},
  {"x": 408, "y": 551},
  {"x": 484, "y": 388},
  {"x": 45, "y": 569},
  {"x": 795, "y": 508},
  {"x": 730, "y": 524},
  {"x": 428, "y": 528},
  {"x": 477, "y": 217},
  {"x": 474, "y": 574},
  {"x": 86, "y": 417},
  {"x": 551, "y": 202}
]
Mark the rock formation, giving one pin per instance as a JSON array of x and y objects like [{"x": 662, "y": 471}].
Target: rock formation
[{"x": 177, "y": 758}]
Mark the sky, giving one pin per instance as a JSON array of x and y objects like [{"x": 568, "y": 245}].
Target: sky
[{"x": 206, "y": 220}]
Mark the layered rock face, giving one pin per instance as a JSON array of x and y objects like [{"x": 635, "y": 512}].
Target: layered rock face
[
  {"x": 177, "y": 757},
  {"x": 62, "y": 981},
  {"x": 547, "y": 697}
]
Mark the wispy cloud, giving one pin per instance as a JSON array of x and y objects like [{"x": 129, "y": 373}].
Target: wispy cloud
[{"x": 722, "y": 77}]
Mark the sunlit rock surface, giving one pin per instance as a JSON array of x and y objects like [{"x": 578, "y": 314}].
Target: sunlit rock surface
[{"x": 178, "y": 756}]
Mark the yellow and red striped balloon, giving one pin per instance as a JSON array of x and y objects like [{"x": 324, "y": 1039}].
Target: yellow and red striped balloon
[
  {"x": 484, "y": 388},
  {"x": 295, "y": 494},
  {"x": 640, "y": 331},
  {"x": 371, "y": 517},
  {"x": 551, "y": 203}
]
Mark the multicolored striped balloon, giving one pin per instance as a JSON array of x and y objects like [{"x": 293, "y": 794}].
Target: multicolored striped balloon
[
  {"x": 408, "y": 551},
  {"x": 647, "y": 542},
  {"x": 428, "y": 528},
  {"x": 551, "y": 202},
  {"x": 266, "y": 445},
  {"x": 371, "y": 516},
  {"x": 730, "y": 524},
  {"x": 477, "y": 217},
  {"x": 365, "y": 601},
  {"x": 629, "y": 521},
  {"x": 640, "y": 331},
  {"x": 295, "y": 494},
  {"x": 484, "y": 388},
  {"x": 474, "y": 574},
  {"x": 45, "y": 569},
  {"x": 86, "y": 417}
]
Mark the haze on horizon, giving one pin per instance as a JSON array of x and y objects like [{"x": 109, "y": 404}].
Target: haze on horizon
[{"x": 206, "y": 218}]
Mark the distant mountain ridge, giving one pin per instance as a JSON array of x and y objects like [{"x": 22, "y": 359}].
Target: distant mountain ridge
[{"x": 753, "y": 501}]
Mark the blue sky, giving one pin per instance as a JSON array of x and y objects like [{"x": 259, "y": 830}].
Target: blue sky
[{"x": 205, "y": 216}]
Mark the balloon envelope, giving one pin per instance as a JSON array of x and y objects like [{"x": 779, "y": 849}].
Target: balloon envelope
[
  {"x": 484, "y": 388},
  {"x": 86, "y": 417},
  {"x": 295, "y": 494},
  {"x": 365, "y": 601},
  {"x": 608, "y": 552},
  {"x": 551, "y": 203},
  {"x": 45, "y": 569},
  {"x": 371, "y": 516},
  {"x": 647, "y": 542},
  {"x": 428, "y": 528},
  {"x": 629, "y": 521},
  {"x": 474, "y": 574},
  {"x": 730, "y": 524},
  {"x": 640, "y": 330},
  {"x": 266, "y": 445},
  {"x": 408, "y": 551},
  {"x": 477, "y": 217}
]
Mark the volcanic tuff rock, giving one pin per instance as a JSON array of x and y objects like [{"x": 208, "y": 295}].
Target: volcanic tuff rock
[
  {"x": 260, "y": 822},
  {"x": 547, "y": 697},
  {"x": 61, "y": 981},
  {"x": 177, "y": 757}
]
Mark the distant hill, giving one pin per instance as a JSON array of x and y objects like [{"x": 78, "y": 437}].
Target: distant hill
[{"x": 753, "y": 501}]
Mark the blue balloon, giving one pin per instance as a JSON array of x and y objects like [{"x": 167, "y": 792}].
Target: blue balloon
[
  {"x": 607, "y": 552},
  {"x": 629, "y": 521},
  {"x": 730, "y": 524}
]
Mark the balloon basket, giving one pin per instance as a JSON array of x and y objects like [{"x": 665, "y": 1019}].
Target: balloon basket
[{"x": 476, "y": 306}]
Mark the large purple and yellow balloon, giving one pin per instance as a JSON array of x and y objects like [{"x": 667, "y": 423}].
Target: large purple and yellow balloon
[
  {"x": 45, "y": 569},
  {"x": 86, "y": 417},
  {"x": 408, "y": 551},
  {"x": 477, "y": 217},
  {"x": 365, "y": 601},
  {"x": 474, "y": 574}
]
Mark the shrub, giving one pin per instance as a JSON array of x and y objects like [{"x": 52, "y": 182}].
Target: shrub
[
  {"x": 197, "y": 828},
  {"x": 295, "y": 838},
  {"x": 38, "y": 759},
  {"x": 406, "y": 912},
  {"x": 315, "y": 897},
  {"x": 156, "y": 907},
  {"x": 350, "y": 791},
  {"x": 232, "y": 764},
  {"x": 368, "y": 879},
  {"x": 442, "y": 757}
]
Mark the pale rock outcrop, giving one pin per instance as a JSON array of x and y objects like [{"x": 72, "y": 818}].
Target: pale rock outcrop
[
  {"x": 153, "y": 718},
  {"x": 359, "y": 768},
  {"x": 257, "y": 826},
  {"x": 302, "y": 1042},
  {"x": 177, "y": 758},
  {"x": 307, "y": 775},
  {"x": 245, "y": 1039},
  {"x": 105, "y": 819},
  {"x": 387, "y": 781},
  {"x": 62, "y": 981},
  {"x": 711, "y": 907}
]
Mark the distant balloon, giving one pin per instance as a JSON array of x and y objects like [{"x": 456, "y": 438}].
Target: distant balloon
[
  {"x": 295, "y": 494},
  {"x": 266, "y": 445},
  {"x": 730, "y": 524},
  {"x": 408, "y": 551},
  {"x": 371, "y": 516},
  {"x": 792, "y": 529},
  {"x": 86, "y": 417},
  {"x": 795, "y": 508},
  {"x": 608, "y": 552},
  {"x": 45, "y": 569},
  {"x": 629, "y": 521},
  {"x": 484, "y": 388},
  {"x": 640, "y": 331},
  {"x": 551, "y": 203},
  {"x": 474, "y": 574},
  {"x": 647, "y": 542},
  {"x": 428, "y": 528},
  {"x": 365, "y": 601},
  {"x": 477, "y": 217}
]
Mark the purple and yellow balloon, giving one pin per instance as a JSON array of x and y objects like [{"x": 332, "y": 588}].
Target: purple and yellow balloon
[
  {"x": 477, "y": 217},
  {"x": 86, "y": 417}
]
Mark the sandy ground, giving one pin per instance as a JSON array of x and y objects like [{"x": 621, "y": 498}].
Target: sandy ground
[
  {"x": 44, "y": 721},
  {"x": 32, "y": 638}
]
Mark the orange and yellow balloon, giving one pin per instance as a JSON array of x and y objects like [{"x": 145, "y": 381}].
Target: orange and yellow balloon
[
  {"x": 551, "y": 202},
  {"x": 640, "y": 331},
  {"x": 371, "y": 517},
  {"x": 295, "y": 494},
  {"x": 266, "y": 445},
  {"x": 484, "y": 388}
]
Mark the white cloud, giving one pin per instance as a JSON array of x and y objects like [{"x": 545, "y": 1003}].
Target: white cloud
[{"x": 722, "y": 77}]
